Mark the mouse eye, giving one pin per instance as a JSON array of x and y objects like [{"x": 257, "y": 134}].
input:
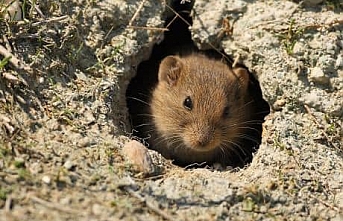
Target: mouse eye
[
  {"x": 226, "y": 112},
  {"x": 187, "y": 103}
]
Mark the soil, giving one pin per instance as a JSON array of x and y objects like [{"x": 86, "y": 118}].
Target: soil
[{"x": 64, "y": 70}]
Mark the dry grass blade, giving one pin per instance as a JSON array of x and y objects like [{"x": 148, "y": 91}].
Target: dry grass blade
[
  {"x": 327, "y": 204},
  {"x": 54, "y": 206},
  {"x": 137, "y": 12},
  {"x": 55, "y": 19},
  {"x": 10, "y": 78},
  {"x": 140, "y": 27}
]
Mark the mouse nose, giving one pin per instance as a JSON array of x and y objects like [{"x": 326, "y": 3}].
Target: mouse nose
[{"x": 205, "y": 136}]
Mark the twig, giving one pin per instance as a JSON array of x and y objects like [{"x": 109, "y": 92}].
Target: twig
[
  {"x": 175, "y": 12},
  {"x": 137, "y": 12},
  {"x": 39, "y": 11},
  {"x": 53, "y": 205},
  {"x": 221, "y": 53},
  {"x": 148, "y": 28},
  {"x": 49, "y": 20},
  {"x": 149, "y": 204},
  {"x": 330, "y": 24},
  {"x": 326, "y": 203},
  {"x": 319, "y": 127},
  {"x": 305, "y": 27},
  {"x": 141, "y": 27},
  {"x": 8, "y": 203},
  {"x": 236, "y": 60}
]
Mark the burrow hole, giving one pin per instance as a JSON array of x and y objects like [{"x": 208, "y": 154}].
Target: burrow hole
[{"x": 178, "y": 41}]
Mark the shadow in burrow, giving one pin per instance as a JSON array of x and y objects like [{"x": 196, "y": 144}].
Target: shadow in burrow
[{"x": 178, "y": 41}]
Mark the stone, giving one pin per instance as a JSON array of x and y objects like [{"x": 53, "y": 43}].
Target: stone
[
  {"x": 69, "y": 165},
  {"x": 339, "y": 62},
  {"x": 278, "y": 104},
  {"x": 317, "y": 76},
  {"x": 13, "y": 10},
  {"x": 46, "y": 179},
  {"x": 137, "y": 155}
]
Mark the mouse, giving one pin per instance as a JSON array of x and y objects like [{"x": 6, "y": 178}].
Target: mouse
[{"x": 201, "y": 111}]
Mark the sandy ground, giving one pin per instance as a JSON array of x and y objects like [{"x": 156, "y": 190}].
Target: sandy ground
[{"x": 64, "y": 69}]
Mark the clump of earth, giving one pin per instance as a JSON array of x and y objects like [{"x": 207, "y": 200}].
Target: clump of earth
[{"x": 64, "y": 69}]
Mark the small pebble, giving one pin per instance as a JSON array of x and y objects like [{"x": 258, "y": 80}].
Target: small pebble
[
  {"x": 97, "y": 209},
  {"x": 65, "y": 201},
  {"x": 89, "y": 117},
  {"x": 317, "y": 76},
  {"x": 278, "y": 104},
  {"x": 263, "y": 209},
  {"x": 46, "y": 179},
  {"x": 339, "y": 62},
  {"x": 312, "y": 99},
  {"x": 68, "y": 165},
  {"x": 298, "y": 48},
  {"x": 36, "y": 167},
  {"x": 299, "y": 208},
  {"x": 41, "y": 80},
  {"x": 137, "y": 154}
]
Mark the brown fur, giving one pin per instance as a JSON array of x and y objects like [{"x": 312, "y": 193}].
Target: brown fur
[{"x": 211, "y": 130}]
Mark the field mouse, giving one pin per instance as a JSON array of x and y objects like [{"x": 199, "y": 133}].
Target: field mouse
[{"x": 201, "y": 111}]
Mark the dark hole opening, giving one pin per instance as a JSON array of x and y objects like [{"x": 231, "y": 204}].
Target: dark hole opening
[{"x": 177, "y": 41}]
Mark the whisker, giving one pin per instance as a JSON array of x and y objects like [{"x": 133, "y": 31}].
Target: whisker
[
  {"x": 249, "y": 138},
  {"x": 137, "y": 99},
  {"x": 145, "y": 115},
  {"x": 250, "y": 128},
  {"x": 145, "y": 95},
  {"x": 234, "y": 150},
  {"x": 236, "y": 145},
  {"x": 142, "y": 125}
]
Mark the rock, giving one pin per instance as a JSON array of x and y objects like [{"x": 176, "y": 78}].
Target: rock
[
  {"x": 69, "y": 165},
  {"x": 298, "y": 48},
  {"x": 317, "y": 76},
  {"x": 299, "y": 208},
  {"x": 326, "y": 63},
  {"x": 339, "y": 61},
  {"x": 208, "y": 25},
  {"x": 89, "y": 117},
  {"x": 97, "y": 209},
  {"x": 137, "y": 154},
  {"x": 263, "y": 209},
  {"x": 13, "y": 10},
  {"x": 338, "y": 217},
  {"x": 312, "y": 99},
  {"x": 36, "y": 168},
  {"x": 86, "y": 142},
  {"x": 331, "y": 48},
  {"x": 46, "y": 179},
  {"x": 66, "y": 200},
  {"x": 278, "y": 104}
]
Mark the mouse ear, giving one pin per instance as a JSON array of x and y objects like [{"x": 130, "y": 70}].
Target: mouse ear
[
  {"x": 243, "y": 76},
  {"x": 170, "y": 70}
]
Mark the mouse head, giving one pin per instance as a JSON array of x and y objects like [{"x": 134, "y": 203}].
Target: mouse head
[{"x": 200, "y": 104}]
